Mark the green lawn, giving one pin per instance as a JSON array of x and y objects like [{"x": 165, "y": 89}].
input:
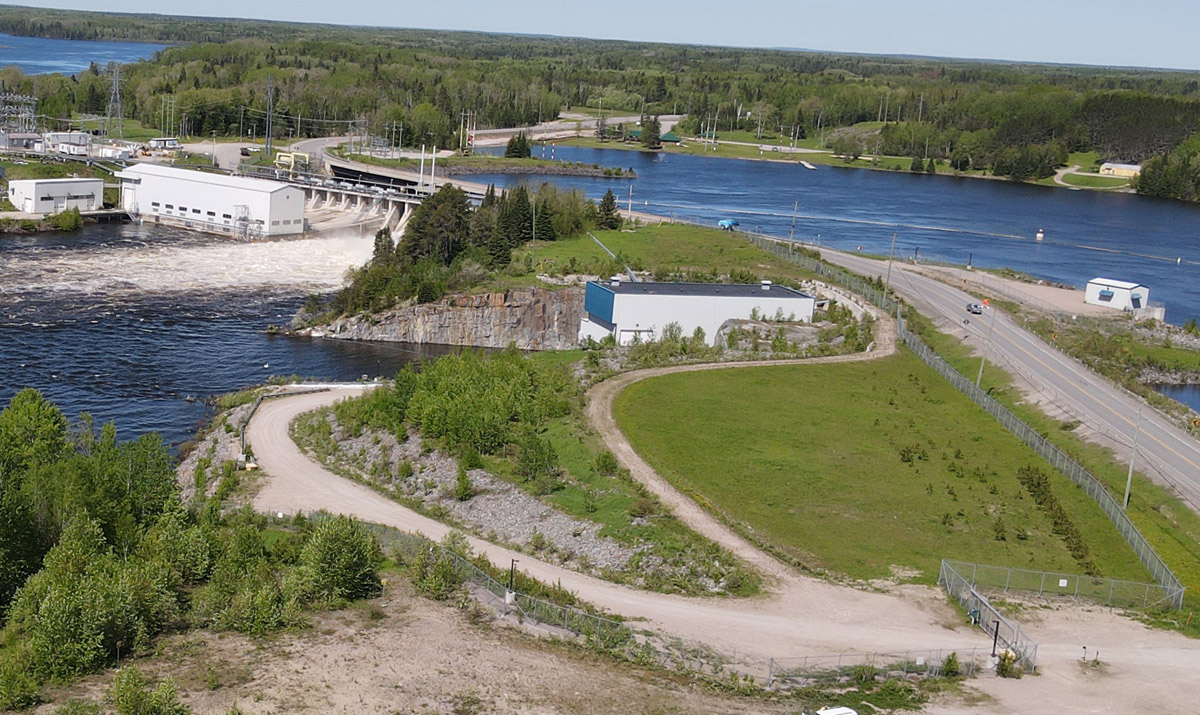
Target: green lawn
[
  {"x": 1095, "y": 182},
  {"x": 1086, "y": 160},
  {"x": 670, "y": 247},
  {"x": 1167, "y": 523},
  {"x": 853, "y": 468}
]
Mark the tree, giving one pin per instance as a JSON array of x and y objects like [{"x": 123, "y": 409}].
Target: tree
[
  {"x": 439, "y": 228},
  {"x": 545, "y": 222},
  {"x": 916, "y": 166},
  {"x": 384, "y": 247},
  {"x": 651, "y": 133},
  {"x": 518, "y": 147},
  {"x": 610, "y": 215},
  {"x": 338, "y": 562},
  {"x": 931, "y": 166}
]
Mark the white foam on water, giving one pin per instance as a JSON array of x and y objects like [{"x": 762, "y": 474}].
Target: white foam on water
[{"x": 311, "y": 264}]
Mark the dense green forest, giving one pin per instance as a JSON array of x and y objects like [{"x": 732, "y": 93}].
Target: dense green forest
[{"x": 1016, "y": 120}]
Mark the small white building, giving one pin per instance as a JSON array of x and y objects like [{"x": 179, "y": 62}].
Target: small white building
[
  {"x": 213, "y": 203},
  {"x": 53, "y": 139},
  {"x": 56, "y": 195},
  {"x": 1120, "y": 295},
  {"x": 628, "y": 310},
  {"x": 1127, "y": 171},
  {"x": 164, "y": 143}
]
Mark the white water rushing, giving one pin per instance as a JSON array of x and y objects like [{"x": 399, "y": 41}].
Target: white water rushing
[{"x": 310, "y": 264}]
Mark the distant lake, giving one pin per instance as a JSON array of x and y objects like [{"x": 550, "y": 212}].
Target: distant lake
[{"x": 36, "y": 55}]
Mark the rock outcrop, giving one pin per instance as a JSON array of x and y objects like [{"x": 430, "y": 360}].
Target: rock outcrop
[{"x": 529, "y": 318}]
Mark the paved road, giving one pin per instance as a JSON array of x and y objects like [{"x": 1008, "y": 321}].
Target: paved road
[{"x": 1166, "y": 452}]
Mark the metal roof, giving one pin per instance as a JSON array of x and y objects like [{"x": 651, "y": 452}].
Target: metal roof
[
  {"x": 137, "y": 171},
  {"x": 1117, "y": 284},
  {"x": 712, "y": 290},
  {"x": 1115, "y": 165}
]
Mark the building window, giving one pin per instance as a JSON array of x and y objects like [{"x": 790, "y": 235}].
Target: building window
[
  {"x": 212, "y": 213},
  {"x": 183, "y": 209},
  {"x": 195, "y": 211},
  {"x": 154, "y": 204},
  {"x": 170, "y": 206},
  {"x": 226, "y": 216},
  {"x": 274, "y": 223}
]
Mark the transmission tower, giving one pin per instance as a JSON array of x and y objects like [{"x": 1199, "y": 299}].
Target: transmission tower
[
  {"x": 270, "y": 110},
  {"x": 114, "y": 103},
  {"x": 18, "y": 112}
]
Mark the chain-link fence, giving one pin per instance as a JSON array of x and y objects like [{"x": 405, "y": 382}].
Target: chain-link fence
[
  {"x": 1109, "y": 591},
  {"x": 1052, "y": 454},
  {"x": 983, "y": 614},
  {"x": 857, "y": 668}
]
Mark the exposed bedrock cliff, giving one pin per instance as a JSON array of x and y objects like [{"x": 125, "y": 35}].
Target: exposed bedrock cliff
[{"x": 530, "y": 318}]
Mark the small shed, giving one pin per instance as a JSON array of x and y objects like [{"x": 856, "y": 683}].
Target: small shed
[
  {"x": 56, "y": 195},
  {"x": 164, "y": 143},
  {"x": 1119, "y": 295}
]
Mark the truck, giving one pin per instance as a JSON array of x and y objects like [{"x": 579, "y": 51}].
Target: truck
[{"x": 728, "y": 224}]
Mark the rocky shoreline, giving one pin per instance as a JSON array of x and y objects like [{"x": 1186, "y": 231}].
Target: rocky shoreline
[{"x": 528, "y": 318}]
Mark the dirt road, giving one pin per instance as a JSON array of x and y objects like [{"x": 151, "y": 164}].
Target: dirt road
[{"x": 801, "y": 616}]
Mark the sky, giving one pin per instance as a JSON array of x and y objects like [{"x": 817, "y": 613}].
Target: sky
[{"x": 1153, "y": 33}]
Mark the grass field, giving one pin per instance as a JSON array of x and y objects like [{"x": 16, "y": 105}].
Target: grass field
[
  {"x": 1167, "y": 523},
  {"x": 855, "y": 468},
  {"x": 1095, "y": 182},
  {"x": 670, "y": 247}
]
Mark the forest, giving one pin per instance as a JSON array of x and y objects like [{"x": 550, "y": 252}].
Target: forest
[{"x": 1007, "y": 119}]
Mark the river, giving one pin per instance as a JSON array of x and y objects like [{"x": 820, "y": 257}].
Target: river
[
  {"x": 38, "y": 55},
  {"x": 129, "y": 322},
  {"x": 989, "y": 223}
]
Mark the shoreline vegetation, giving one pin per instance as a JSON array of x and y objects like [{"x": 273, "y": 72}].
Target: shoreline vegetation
[{"x": 489, "y": 164}]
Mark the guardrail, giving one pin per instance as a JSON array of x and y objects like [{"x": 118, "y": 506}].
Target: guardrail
[{"x": 1074, "y": 471}]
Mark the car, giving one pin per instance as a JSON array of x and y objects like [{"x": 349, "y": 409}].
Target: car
[
  {"x": 974, "y": 308},
  {"x": 245, "y": 151}
]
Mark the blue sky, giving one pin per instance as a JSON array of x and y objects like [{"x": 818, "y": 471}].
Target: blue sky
[{"x": 1156, "y": 33}]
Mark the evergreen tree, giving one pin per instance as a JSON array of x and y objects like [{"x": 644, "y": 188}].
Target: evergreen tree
[
  {"x": 916, "y": 166},
  {"x": 517, "y": 219},
  {"x": 651, "y": 133},
  {"x": 545, "y": 222},
  {"x": 930, "y": 166},
  {"x": 384, "y": 248},
  {"x": 518, "y": 147},
  {"x": 610, "y": 215},
  {"x": 439, "y": 227}
]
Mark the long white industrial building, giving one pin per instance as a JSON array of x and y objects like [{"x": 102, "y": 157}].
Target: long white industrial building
[
  {"x": 629, "y": 311},
  {"x": 56, "y": 195},
  {"x": 213, "y": 203}
]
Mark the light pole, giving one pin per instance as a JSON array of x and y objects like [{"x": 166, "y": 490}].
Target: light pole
[
  {"x": 891, "y": 253},
  {"x": 512, "y": 574},
  {"x": 986, "y": 347},
  {"x": 1132, "y": 457}
]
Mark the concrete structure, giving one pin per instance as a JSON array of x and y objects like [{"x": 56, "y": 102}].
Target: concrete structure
[
  {"x": 55, "y": 195},
  {"x": 22, "y": 141},
  {"x": 213, "y": 203},
  {"x": 641, "y": 310},
  {"x": 1120, "y": 295},
  {"x": 1127, "y": 171}
]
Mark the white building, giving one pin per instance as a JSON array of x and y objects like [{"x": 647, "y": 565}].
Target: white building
[
  {"x": 164, "y": 143},
  {"x": 55, "y": 195},
  {"x": 1120, "y": 295},
  {"x": 1127, "y": 171},
  {"x": 627, "y": 310},
  {"x": 214, "y": 203}
]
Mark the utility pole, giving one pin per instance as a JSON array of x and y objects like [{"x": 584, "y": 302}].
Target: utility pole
[
  {"x": 631, "y": 201},
  {"x": 891, "y": 253},
  {"x": 792, "y": 233},
  {"x": 214, "y": 140},
  {"x": 1132, "y": 456},
  {"x": 983, "y": 360},
  {"x": 270, "y": 111}
]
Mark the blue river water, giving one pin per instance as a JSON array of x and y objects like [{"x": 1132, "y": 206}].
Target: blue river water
[
  {"x": 989, "y": 223},
  {"x": 37, "y": 55}
]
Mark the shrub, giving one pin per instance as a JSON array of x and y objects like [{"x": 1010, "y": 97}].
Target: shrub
[
  {"x": 18, "y": 687},
  {"x": 435, "y": 573},
  {"x": 1006, "y": 665},
  {"x": 606, "y": 463},
  {"x": 951, "y": 667},
  {"x": 131, "y": 695},
  {"x": 463, "y": 488},
  {"x": 259, "y": 608},
  {"x": 536, "y": 457},
  {"x": 338, "y": 563}
]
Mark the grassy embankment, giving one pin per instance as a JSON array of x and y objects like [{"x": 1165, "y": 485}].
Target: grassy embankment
[
  {"x": 487, "y": 163},
  {"x": 1170, "y": 526},
  {"x": 1088, "y": 181},
  {"x": 855, "y": 468},
  {"x": 664, "y": 249}
]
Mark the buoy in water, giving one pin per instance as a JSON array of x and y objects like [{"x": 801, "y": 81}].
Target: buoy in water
[{"x": 1039, "y": 235}]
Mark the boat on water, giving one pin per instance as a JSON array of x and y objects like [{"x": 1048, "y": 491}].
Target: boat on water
[{"x": 807, "y": 165}]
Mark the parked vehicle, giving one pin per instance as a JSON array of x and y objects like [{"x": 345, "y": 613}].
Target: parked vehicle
[{"x": 728, "y": 224}]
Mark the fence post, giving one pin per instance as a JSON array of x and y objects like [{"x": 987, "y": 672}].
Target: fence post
[
  {"x": 770, "y": 672},
  {"x": 1042, "y": 586}
]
